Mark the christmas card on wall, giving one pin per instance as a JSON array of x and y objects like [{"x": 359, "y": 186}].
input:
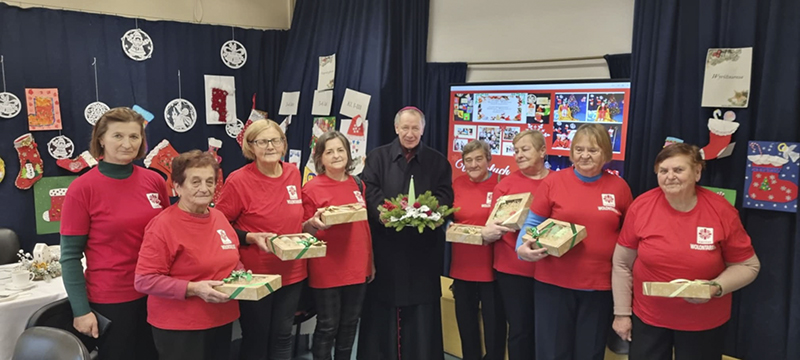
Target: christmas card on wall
[
  {"x": 220, "y": 99},
  {"x": 48, "y": 196},
  {"x": 358, "y": 144},
  {"x": 771, "y": 176},
  {"x": 44, "y": 111},
  {"x": 727, "y": 77},
  {"x": 327, "y": 73}
]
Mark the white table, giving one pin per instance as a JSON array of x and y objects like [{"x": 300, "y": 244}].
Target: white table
[{"x": 14, "y": 313}]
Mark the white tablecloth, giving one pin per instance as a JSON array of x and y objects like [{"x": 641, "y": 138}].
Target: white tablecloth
[{"x": 14, "y": 313}]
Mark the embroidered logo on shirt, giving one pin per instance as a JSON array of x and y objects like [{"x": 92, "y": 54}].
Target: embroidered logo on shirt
[
  {"x": 292, "y": 190},
  {"x": 609, "y": 203},
  {"x": 488, "y": 200},
  {"x": 155, "y": 202},
  {"x": 705, "y": 239},
  {"x": 227, "y": 244},
  {"x": 359, "y": 198}
]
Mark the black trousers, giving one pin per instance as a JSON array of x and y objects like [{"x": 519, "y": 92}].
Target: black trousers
[
  {"x": 209, "y": 344},
  {"x": 518, "y": 301},
  {"x": 655, "y": 343},
  {"x": 130, "y": 337},
  {"x": 267, "y": 324},
  {"x": 400, "y": 333},
  {"x": 470, "y": 298},
  {"x": 571, "y": 324},
  {"x": 338, "y": 310}
]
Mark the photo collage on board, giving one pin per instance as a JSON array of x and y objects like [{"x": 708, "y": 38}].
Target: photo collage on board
[{"x": 571, "y": 110}]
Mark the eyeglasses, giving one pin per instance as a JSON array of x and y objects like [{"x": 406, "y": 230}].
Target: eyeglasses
[{"x": 263, "y": 143}]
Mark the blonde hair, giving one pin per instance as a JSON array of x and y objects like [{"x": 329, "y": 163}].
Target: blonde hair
[
  {"x": 256, "y": 128},
  {"x": 536, "y": 138},
  {"x": 121, "y": 115},
  {"x": 596, "y": 133}
]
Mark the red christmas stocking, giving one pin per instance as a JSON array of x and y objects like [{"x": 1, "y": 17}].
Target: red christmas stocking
[
  {"x": 219, "y": 103},
  {"x": 766, "y": 184},
  {"x": 720, "y": 132},
  {"x": 30, "y": 163},
  {"x": 160, "y": 158},
  {"x": 56, "y": 201},
  {"x": 77, "y": 164},
  {"x": 213, "y": 146}
]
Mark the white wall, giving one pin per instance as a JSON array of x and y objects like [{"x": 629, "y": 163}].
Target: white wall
[
  {"x": 505, "y": 30},
  {"x": 258, "y": 14}
]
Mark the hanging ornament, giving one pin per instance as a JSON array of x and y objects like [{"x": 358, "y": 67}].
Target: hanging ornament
[
  {"x": 233, "y": 128},
  {"x": 60, "y": 147},
  {"x": 95, "y": 110},
  {"x": 10, "y": 105},
  {"x": 180, "y": 114},
  {"x": 137, "y": 44},
  {"x": 233, "y": 53}
]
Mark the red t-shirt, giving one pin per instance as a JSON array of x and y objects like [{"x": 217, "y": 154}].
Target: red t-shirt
[
  {"x": 193, "y": 248},
  {"x": 254, "y": 202},
  {"x": 472, "y": 262},
  {"x": 113, "y": 213},
  {"x": 600, "y": 206},
  {"x": 348, "y": 259},
  {"x": 505, "y": 250},
  {"x": 692, "y": 245}
]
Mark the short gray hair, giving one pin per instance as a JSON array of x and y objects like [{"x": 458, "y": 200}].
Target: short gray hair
[
  {"x": 475, "y": 145},
  {"x": 409, "y": 109}
]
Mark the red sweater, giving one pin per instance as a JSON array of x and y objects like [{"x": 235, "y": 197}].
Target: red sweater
[
  {"x": 472, "y": 262},
  {"x": 505, "y": 250}
]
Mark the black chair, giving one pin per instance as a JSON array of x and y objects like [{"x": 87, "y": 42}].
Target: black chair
[
  {"x": 39, "y": 343},
  {"x": 9, "y": 246},
  {"x": 58, "y": 314}
]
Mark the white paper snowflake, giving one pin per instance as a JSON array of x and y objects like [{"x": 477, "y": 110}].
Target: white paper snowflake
[
  {"x": 233, "y": 128},
  {"x": 771, "y": 197},
  {"x": 60, "y": 147},
  {"x": 180, "y": 115},
  {"x": 233, "y": 54},
  {"x": 94, "y": 111},
  {"x": 10, "y": 105},
  {"x": 137, "y": 45},
  {"x": 758, "y": 176}
]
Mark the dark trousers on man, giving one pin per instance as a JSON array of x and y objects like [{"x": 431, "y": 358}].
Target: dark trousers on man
[
  {"x": 518, "y": 301},
  {"x": 129, "y": 337},
  {"x": 208, "y": 344},
  {"x": 472, "y": 297},
  {"x": 571, "y": 324},
  {"x": 656, "y": 343},
  {"x": 267, "y": 324},
  {"x": 400, "y": 333},
  {"x": 338, "y": 310}
]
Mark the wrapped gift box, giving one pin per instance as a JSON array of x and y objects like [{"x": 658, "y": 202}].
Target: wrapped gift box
[
  {"x": 297, "y": 246},
  {"x": 686, "y": 289},
  {"x": 465, "y": 234},
  {"x": 511, "y": 210},
  {"x": 342, "y": 214},
  {"x": 254, "y": 289},
  {"x": 558, "y": 237}
]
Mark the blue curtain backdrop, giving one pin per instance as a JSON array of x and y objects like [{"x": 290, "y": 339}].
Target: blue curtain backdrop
[
  {"x": 670, "y": 41},
  {"x": 54, "y": 49}
]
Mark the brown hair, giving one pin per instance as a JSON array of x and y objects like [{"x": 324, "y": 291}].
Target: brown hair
[
  {"x": 192, "y": 159},
  {"x": 475, "y": 145},
  {"x": 596, "y": 133},
  {"x": 680, "y": 149},
  {"x": 255, "y": 128},
  {"x": 536, "y": 138},
  {"x": 319, "y": 149},
  {"x": 118, "y": 114}
]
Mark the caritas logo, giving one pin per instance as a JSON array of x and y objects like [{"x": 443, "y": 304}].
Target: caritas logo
[{"x": 492, "y": 168}]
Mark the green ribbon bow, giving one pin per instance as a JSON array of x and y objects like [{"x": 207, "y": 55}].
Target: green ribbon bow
[
  {"x": 536, "y": 233},
  {"x": 307, "y": 243},
  {"x": 238, "y": 275}
]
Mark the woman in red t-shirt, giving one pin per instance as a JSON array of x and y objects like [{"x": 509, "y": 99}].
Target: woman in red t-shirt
[
  {"x": 262, "y": 199},
  {"x": 190, "y": 319},
  {"x": 573, "y": 292},
  {"x": 474, "y": 288},
  {"x": 338, "y": 281},
  {"x": 514, "y": 276},
  {"x": 104, "y": 215},
  {"x": 679, "y": 231}
]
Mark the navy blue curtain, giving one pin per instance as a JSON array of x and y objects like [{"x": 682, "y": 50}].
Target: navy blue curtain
[
  {"x": 54, "y": 49},
  {"x": 619, "y": 65},
  {"x": 670, "y": 42},
  {"x": 437, "y": 101},
  {"x": 380, "y": 49}
]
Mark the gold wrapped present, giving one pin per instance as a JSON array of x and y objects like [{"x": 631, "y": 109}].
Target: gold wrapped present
[
  {"x": 297, "y": 246},
  {"x": 342, "y": 214},
  {"x": 511, "y": 210},
  {"x": 678, "y": 288},
  {"x": 252, "y": 287},
  {"x": 556, "y": 236},
  {"x": 465, "y": 234}
]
